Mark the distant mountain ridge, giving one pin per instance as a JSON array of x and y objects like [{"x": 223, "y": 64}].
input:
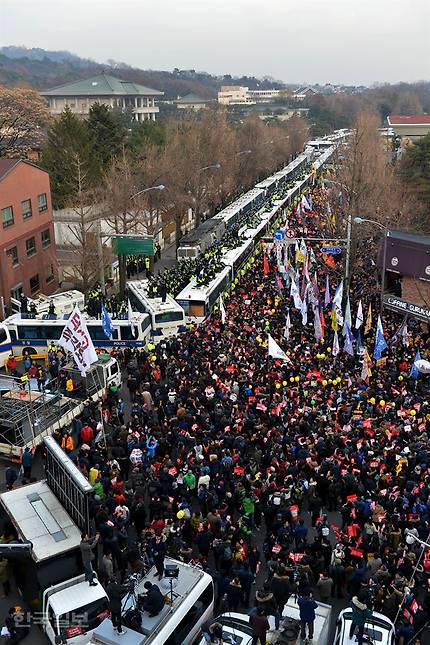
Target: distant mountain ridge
[
  {"x": 36, "y": 53},
  {"x": 43, "y": 69}
]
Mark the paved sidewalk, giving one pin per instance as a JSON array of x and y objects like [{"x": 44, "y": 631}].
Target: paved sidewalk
[{"x": 168, "y": 259}]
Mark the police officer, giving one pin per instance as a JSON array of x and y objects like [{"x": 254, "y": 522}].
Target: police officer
[{"x": 148, "y": 267}]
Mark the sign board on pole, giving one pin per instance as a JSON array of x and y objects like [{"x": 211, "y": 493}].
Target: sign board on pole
[
  {"x": 290, "y": 233},
  {"x": 331, "y": 250},
  {"x": 279, "y": 235},
  {"x": 418, "y": 311},
  {"x": 125, "y": 245}
]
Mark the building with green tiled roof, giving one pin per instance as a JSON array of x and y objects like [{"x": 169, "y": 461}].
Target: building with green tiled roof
[
  {"x": 103, "y": 88},
  {"x": 192, "y": 102}
]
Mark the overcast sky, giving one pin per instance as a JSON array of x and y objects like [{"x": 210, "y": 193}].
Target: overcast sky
[{"x": 338, "y": 41}]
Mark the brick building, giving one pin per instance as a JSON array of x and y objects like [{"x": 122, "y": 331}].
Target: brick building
[
  {"x": 407, "y": 273},
  {"x": 28, "y": 263}
]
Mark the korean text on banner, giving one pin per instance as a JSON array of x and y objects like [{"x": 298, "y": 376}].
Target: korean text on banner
[{"x": 76, "y": 339}]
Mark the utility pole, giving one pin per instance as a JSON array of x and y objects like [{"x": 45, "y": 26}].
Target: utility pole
[{"x": 100, "y": 257}]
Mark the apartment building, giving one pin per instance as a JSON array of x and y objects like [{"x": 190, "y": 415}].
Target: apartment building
[{"x": 28, "y": 262}]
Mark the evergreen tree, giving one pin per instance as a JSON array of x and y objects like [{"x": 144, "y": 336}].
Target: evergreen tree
[
  {"x": 142, "y": 135},
  {"x": 415, "y": 169},
  {"x": 68, "y": 142},
  {"x": 107, "y": 132}
]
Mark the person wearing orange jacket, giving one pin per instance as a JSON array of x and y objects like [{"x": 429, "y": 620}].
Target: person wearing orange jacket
[{"x": 67, "y": 443}]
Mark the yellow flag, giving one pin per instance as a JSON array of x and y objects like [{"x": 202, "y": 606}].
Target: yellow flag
[
  {"x": 366, "y": 372},
  {"x": 334, "y": 323},
  {"x": 368, "y": 326}
]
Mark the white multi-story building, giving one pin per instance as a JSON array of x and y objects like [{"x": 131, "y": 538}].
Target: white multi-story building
[
  {"x": 108, "y": 90},
  {"x": 239, "y": 95},
  {"x": 234, "y": 95}
]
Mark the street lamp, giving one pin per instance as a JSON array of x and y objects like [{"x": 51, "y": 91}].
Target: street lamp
[
  {"x": 362, "y": 220},
  {"x": 146, "y": 190},
  {"x": 214, "y": 166},
  {"x": 100, "y": 235},
  {"x": 348, "y": 232}
]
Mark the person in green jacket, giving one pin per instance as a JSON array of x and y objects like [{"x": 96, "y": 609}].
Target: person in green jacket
[
  {"x": 190, "y": 480},
  {"x": 360, "y": 615},
  {"x": 98, "y": 488},
  {"x": 248, "y": 506}
]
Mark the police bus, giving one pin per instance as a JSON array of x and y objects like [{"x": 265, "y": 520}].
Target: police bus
[
  {"x": 63, "y": 303},
  {"x": 34, "y": 335},
  {"x": 167, "y": 318}
]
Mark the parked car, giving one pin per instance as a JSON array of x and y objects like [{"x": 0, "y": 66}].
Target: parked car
[
  {"x": 236, "y": 629},
  {"x": 379, "y": 630}
]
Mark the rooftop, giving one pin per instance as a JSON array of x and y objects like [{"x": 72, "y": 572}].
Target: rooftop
[
  {"x": 7, "y": 165},
  {"x": 418, "y": 238},
  {"x": 101, "y": 85},
  {"x": 192, "y": 98},
  {"x": 183, "y": 587},
  {"x": 42, "y": 520},
  {"x": 420, "y": 119},
  {"x": 79, "y": 595}
]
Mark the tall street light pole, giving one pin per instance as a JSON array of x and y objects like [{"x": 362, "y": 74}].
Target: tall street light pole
[
  {"x": 348, "y": 233},
  {"x": 362, "y": 220},
  {"x": 178, "y": 214},
  {"x": 121, "y": 258},
  {"x": 146, "y": 190}
]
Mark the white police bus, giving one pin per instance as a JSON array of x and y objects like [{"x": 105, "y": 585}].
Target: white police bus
[
  {"x": 34, "y": 335},
  {"x": 167, "y": 318}
]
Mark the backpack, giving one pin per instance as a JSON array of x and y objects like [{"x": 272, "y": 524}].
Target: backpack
[{"x": 227, "y": 552}]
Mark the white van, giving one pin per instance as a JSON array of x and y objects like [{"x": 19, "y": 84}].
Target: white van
[{"x": 189, "y": 604}]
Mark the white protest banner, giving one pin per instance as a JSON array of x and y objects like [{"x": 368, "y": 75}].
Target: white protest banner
[{"x": 76, "y": 339}]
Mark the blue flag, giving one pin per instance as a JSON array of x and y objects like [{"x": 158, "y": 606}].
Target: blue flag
[
  {"x": 106, "y": 323},
  {"x": 347, "y": 346},
  {"x": 380, "y": 344},
  {"x": 414, "y": 373},
  {"x": 359, "y": 345},
  {"x": 327, "y": 297}
]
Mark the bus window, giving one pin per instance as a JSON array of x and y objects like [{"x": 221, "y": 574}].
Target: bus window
[
  {"x": 145, "y": 324},
  {"x": 169, "y": 316},
  {"x": 96, "y": 332},
  {"x": 136, "y": 304},
  {"x": 114, "y": 369},
  {"x": 28, "y": 333},
  {"x": 192, "y": 616},
  {"x": 51, "y": 332},
  {"x": 3, "y": 335},
  {"x": 196, "y": 309},
  {"x": 185, "y": 304},
  {"x": 127, "y": 334}
]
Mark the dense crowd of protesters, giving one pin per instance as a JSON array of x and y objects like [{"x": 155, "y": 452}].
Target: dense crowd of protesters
[
  {"x": 226, "y": 456},
  {"x": 280, "y": 478}
]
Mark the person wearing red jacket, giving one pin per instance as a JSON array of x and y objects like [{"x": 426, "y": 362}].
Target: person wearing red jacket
[{"x": 86, "y": 434}]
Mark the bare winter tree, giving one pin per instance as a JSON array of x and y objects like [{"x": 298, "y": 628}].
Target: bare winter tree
[
  {"x": 23, "y": 119},
  {"x": 123, "y": 210},
  {"x": 81, "y": 238},
  {"x": 365, "y": 178}
]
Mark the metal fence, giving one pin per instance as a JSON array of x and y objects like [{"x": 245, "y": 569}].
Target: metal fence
[{"x": 68, "y": 484}]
